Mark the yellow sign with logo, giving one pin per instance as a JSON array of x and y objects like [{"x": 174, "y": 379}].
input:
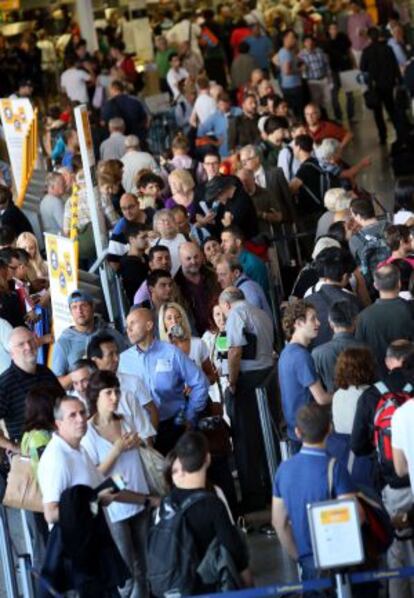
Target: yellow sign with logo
[{"x": 63, "y": 273}]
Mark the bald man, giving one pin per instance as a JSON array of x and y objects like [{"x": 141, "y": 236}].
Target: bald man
[
  {"x": 23, "y": 374},
  {"x": 198, "y": 285},
  {"x": 167, "y": 372}
]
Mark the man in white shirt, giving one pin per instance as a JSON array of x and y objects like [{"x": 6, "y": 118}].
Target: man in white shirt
[
  {"x": 74, "y": 82},
  {"x": 65, "y": 463},
  {"x": 113, "y": 148},
  {"x": 176, "y": 74},
  {"x": 204, "y": 105},
  {"x": 135, "y": 160}
]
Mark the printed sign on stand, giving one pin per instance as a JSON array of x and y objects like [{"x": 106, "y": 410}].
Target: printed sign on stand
[
  {"x": 63, "y": 277},
  {"x": 16, "y": 116},
  {"x": 335, "y": 533}
]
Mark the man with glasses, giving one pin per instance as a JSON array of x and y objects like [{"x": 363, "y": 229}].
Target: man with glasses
[
  {"x": 23, "y": 374},
  {"x": 11, "y": 215},
  {"x": 131, "y": 214}
]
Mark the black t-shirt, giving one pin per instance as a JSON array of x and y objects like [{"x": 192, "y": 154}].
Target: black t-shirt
[
  {"x": 133, "y": 271},
  {"x": 209, "y": 519},
  {"x": 338, "y": 51}
]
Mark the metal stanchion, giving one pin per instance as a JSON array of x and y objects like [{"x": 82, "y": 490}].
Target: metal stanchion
[
  {"x": 267, "y": 431},
  {"x": 7, "y": 561},
  {"x": 26, "y": 534},
  {"x": 343, "y": 585},
  {"x": 25, "y": 576}
]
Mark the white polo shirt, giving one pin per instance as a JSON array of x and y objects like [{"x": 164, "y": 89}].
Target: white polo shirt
[
  {"x": 61, "y": 467},
  {"x": 402, "y": 437}
]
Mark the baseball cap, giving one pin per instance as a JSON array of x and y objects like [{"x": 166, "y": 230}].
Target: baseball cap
[
  {"x": 77, "y": 296},
  {"x": 322, "y": 244},
  {"x": 26, "y": 83}
]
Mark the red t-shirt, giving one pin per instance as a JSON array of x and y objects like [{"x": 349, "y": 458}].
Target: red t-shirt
[
  {"x": 328, "y": 130},
  {"x": 237, "y": 37}
]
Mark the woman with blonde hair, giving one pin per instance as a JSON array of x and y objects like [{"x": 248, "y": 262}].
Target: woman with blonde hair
[
  {"x": 182, "y": 187},
  {"x": 174, "y": 327},
  {"x": 37, "y": 265}
]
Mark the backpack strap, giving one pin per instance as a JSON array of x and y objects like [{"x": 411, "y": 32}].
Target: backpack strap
[
  {"x": 331, "y": 466},
  {"x": 290, "y": 161},
  {"x": 381, "y": 387},
  {"x": 193, "y": 499}
]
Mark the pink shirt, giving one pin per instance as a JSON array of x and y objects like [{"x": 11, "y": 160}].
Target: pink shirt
[{"x": 356, "y": 22}]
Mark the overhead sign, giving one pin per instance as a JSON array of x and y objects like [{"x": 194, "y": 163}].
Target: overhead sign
[
  {"x": 63, "y": 276},
  {"x": 16, "y": 116},
  {"x": 336, "y": 533}
]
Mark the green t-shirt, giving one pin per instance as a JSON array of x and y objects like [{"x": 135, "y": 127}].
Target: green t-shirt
[
  {"x": 162, "y": 59},
  {"x": 33, "y": 444}
]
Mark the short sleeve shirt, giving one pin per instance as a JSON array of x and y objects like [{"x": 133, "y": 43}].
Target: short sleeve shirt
[
  {"x": 294, "y": 79},
  {"x": 303, "y": 479},
  {"x": 296, "y": 374},
  {"x": 61, "y": 467},
  {"x": 402, "y": 435}
]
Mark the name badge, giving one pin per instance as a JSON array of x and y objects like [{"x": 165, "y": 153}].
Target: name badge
[{"x": 163, "y": 365}]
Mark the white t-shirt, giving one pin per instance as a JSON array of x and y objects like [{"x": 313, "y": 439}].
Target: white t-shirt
[
  {"x": 73, "y": 81},
  {"x": 402, "y": 437},
  {"x": 204, "y": 107},
  {"x": 344, "y": 404},
  {"x": 402, "y": 216},
  {"x": 198, "y": 351},
  {"x": 174, "y": 247},
  {"x": 128, "y": 465},
  {"x": 134, "y": 395},
  {"x": 173, "y": 79},
  {"x": 61, "y": 467},
  {"x": 133, "y": 162}
]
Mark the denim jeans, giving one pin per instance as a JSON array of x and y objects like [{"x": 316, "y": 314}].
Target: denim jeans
[{"x": 130, "y": 536}]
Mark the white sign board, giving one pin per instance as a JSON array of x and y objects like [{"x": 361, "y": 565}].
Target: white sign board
[
  {"x": 16, "y": 115},
  {"x": 336, "y": 533},
  {"x": 63, "y": 277}
]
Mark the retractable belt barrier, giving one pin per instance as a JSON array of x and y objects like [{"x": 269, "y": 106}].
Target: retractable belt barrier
[{"x": 314, "y": 585}]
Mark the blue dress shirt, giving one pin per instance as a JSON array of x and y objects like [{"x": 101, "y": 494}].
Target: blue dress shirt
[{"x": 166, "y": 371}]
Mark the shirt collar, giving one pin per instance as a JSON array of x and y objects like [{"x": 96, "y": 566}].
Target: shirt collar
[
  {"x": 317, "y": 452},
  {"x": 152, "y": 345}
]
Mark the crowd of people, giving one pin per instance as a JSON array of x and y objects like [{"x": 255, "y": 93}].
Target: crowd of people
[{"x": 250, "y": 256}]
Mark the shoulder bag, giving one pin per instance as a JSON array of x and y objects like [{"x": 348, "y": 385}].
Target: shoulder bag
[{"x": 22, "y": 490}]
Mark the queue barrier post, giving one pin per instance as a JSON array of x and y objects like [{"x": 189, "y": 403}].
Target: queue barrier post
[
  {"x": 26, "y": 580},
  {"x": 7, "y": 561},
  {"x": 267, "y": 430}
]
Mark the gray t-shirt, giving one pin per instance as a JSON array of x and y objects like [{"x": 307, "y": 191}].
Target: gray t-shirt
[
  {"x": 51, "y": 212},
  {"x": 245, "y": 319}
]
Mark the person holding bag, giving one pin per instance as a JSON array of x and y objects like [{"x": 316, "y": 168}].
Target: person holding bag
[{"x": 112, "y": 443}]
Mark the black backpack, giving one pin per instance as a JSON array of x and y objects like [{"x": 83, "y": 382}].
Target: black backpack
[
  {"x": 327, "y": 180},
  {"x": 172, "y": 553}
]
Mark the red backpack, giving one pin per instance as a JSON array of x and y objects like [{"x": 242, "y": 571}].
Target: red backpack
[{"x": 384, "y": 411}]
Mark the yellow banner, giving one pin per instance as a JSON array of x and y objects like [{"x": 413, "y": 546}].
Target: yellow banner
[{"x": 63, "y": 275}]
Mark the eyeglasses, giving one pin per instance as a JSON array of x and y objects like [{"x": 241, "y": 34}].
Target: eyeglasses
[
  {"x": 247, "y": 160},
  {"x": 128, "y": 208},
  {"x": 216, "y": 163}
]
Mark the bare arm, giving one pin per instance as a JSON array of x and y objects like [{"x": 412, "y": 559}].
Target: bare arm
[
  {"x": 319, "y": 393},
  {"x": 51, "y": 512},
  {"x": 400, "y": 462},
  {"x": 281, "y": 523},
  {"x": 234, "y": 359},
  {"x": 295, "y": 184},
  {"x": 152, "y": 411},
  {"x": 66, "y": 381},
  {"x": 347, "y": 139}
]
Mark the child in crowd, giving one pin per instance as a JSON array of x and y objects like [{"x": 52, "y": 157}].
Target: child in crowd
[{"x": 149, "y": 186}]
